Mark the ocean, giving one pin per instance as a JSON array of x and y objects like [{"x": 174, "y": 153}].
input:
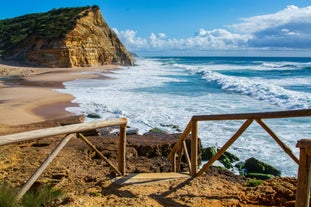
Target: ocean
[{"x": 164, "y": 92}]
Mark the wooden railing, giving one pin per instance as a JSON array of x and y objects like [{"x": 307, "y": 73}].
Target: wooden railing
[
  {"x": 192, "y": 128},
  {"x": 304, "y": 173},
  {"x": 70, "y": 132}
]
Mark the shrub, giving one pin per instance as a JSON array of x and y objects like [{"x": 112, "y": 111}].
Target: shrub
[
  {"x": 43, "y": 196},
  {"x": 7, "y": 196},
  {"x": 254, "y": 182}
]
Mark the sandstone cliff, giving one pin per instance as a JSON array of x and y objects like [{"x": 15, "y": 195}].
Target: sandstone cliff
[{"x": 63, "y": 38}]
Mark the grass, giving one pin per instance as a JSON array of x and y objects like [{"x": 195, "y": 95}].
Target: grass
[
  {"x": 43, "y": 196},
  {"x": 254, "y": 182},
  {"x": 7, "y": 196}
]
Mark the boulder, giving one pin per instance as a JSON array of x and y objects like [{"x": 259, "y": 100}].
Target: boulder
[
  {"x": 226, "y": 158},
  {"x": 259, "y": 176},
  {"x": 93, "y": 116},
  {"x": 208, "y": 153},
  {"x": 252, "y": 165}
]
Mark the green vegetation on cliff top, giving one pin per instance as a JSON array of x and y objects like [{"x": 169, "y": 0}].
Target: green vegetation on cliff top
[{"x": 53, "y": 24}]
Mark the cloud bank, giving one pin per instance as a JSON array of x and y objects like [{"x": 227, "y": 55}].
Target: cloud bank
[{"x": 288, "y": 29}]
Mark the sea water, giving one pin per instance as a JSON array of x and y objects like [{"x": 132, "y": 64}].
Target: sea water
[{"x": 165, "y": 91}]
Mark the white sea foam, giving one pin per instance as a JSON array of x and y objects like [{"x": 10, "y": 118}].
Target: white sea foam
[{"x": 155, "y": 94}]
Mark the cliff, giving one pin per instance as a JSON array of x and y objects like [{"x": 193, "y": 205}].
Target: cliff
[{"x": 68, "y": 37}]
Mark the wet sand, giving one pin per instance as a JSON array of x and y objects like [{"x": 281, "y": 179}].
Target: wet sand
[{"x": 27, "y": 94}]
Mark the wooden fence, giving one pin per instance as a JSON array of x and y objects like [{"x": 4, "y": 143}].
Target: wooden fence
[
  {"x": 192, "y": 160},
  {"x": 70, "y": 132}
]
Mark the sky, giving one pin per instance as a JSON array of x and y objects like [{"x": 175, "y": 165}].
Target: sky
[{"x": 197, "y": 27}]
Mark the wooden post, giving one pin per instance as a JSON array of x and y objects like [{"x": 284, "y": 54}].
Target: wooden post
[
  {"x": 43, "y": 166},
  {"x": 180, "y": 154},
  {"x": 173, "y": 162},
  {"x": 194, "y": 148},
  {"x": 304, "y": 174},
  {"x": 226, "y": 146},
  {"x": 122, "y": 149},
  {"x": 187, "y": 155}
]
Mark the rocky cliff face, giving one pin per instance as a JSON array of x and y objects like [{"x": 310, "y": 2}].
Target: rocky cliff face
[{"x": 90, "y": 43}]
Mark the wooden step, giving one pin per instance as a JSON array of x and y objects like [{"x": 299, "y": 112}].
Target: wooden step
[{"x": 145, "y": 178}]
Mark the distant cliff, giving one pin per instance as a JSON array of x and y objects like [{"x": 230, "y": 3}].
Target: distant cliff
[{"x": 67, "y": 37}]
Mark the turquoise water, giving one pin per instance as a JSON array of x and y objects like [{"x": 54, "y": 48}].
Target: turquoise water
[{"x": 161, "y": 91}]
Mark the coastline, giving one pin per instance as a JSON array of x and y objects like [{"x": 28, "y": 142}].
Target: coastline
[
  {"x": 28, "y": 95},
  {"x": 32, "y": 98}
]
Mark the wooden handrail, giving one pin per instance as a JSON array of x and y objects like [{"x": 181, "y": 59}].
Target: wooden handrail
[
  {"x": 241, "y": 116},
  {"x": 68, "y": 129},
  {"x": 260, "y": 115}
]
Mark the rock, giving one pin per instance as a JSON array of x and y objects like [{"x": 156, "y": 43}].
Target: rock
[
  {"x": 93, "y": 116},
  {"x": 116, "y": 131},
  {"x": 175, "y": 127},
  {"x": 253, "y": 165},
  {"x": 152, "y": 145},
  {"x": 240, "y": 167},
  {"x": 66, "y": 37},
  {"x": 156, "y": 130},
  {"x": 226, "y": 159},
  {"x": 208, "y": 153},
  {"x": 132, "y": 131},
  {"x": 260, "y": 176},
  {"x": 232, "y": 157}
]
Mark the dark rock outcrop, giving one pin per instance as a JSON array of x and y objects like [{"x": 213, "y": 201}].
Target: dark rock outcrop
[
  {"x": 68, "y": 37},
  {"x": 260, "y": 170},
  {"x": 226, "y": 158}
]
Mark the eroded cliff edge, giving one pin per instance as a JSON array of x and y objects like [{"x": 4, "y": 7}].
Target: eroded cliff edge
[{"x": 67, "y": 37}]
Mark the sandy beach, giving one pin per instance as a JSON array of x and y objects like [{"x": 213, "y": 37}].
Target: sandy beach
[{"x": 28, "y": 95}]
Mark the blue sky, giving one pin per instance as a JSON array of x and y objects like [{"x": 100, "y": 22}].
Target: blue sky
[{"x": 198, "y": 27}]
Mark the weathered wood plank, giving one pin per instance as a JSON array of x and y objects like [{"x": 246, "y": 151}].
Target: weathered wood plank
[
  {"x": 68, "y": 129},
  {"x": 262, "y": 115}
]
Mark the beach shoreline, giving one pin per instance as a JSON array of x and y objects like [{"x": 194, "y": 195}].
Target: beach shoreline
[{"x": 28, "y": 94}]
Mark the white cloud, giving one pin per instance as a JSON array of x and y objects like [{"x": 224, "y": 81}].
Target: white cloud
[
  {"x": 202, "y": 40},
  {"x": 288, "y": 28},
  {"x": 128, "y": 37},
  {"x": 291, "y": 14}
]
